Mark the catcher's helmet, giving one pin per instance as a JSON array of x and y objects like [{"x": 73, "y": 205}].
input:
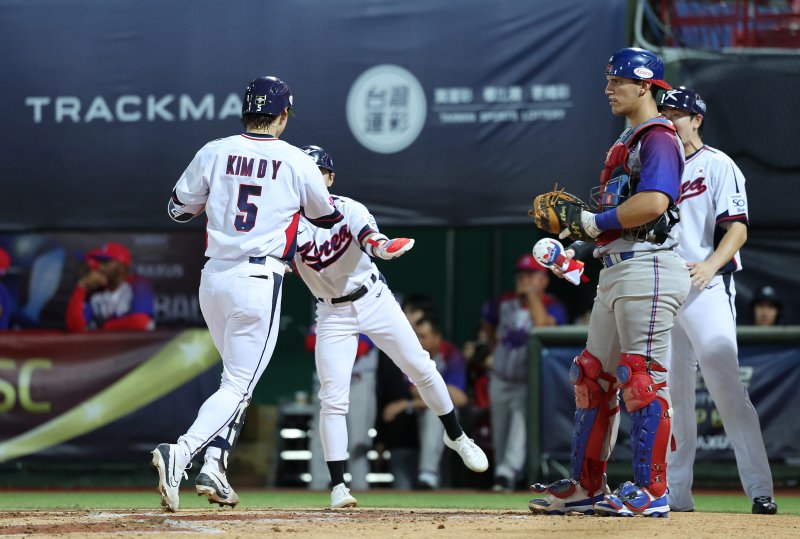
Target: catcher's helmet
[
  {"x": 267, "y": 95},
  {"x": 683, "y": 98},
  {"x": 320, "y": 156},
  {"x": 639, "y": 64}
]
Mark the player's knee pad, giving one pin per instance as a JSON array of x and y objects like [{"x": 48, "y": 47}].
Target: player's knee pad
[
  {"x": 595, "y": 420},
  {"x": 638, "y": 387},
  {"x": 650, "y": 437}
]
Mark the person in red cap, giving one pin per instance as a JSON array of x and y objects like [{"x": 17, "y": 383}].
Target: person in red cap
[
  {"x": 108, "y": 297},
  {"x": 508, "y": 320},
  {"x": 5, "y": 297}
]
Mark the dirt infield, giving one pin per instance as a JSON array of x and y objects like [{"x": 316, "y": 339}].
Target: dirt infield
[{"x": 385, "y": 524}]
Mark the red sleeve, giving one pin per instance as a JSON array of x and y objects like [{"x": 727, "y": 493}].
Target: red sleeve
[
  {"x": 311, "y": 342},
  {"x": 129, "y": 322},
  {"x": 74, "y": 317}
]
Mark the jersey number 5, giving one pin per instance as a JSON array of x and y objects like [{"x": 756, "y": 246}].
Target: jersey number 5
[{"x": 246, "y": 219}]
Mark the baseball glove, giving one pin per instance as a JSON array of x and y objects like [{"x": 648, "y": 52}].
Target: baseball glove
[{"x": 557, "y": 211}]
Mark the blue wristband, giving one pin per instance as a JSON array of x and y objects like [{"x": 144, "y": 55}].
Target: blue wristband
[{"x": 608, "y": 220}]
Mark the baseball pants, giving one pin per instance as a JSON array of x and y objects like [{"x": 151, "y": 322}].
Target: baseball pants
[
  {"x": 378, "y": 316},
  {"x": 241, "y": 304},
  {"x": 713, "y": 347},
  {"x": 633, "y": 313}
]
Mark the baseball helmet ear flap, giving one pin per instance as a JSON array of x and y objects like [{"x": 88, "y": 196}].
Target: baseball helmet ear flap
[
  {"x": 638, "y": 64},
  {"x": 268, "y": 96},
  {"x": 320, "y": 156}
]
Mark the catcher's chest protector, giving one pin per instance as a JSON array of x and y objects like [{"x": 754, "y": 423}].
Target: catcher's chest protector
[{"x": 618, "y": 162}]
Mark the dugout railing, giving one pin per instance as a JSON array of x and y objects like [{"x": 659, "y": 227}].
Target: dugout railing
[{"x": 543, "y": 466}]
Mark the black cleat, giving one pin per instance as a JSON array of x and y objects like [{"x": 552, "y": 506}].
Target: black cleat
[{"x": 764, "y": 505}]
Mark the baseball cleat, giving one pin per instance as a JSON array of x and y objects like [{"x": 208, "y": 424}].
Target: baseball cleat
[
  {"x": 169, "y": 475},
  {"x": 340, "y": 497},
  {"x": 764, "y": 505},
  {"x": 563, "y": 497},
  {"x": 631, "y": 500},
  {"x": 473, "y": 456},
  {"x": 213, "y": 484}
]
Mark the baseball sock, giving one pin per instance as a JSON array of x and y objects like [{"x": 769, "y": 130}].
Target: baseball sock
[
  {"x": 451, "y": 425},
  {"x": 336, "y": 467}
]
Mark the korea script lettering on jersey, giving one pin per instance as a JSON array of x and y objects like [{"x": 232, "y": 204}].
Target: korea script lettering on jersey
[
  {"x": 712, "y": 193},
  {"x": 332, "y": 262}
]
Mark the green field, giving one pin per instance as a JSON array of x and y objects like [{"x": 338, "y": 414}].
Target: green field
[{"x": 293, "y": 499}]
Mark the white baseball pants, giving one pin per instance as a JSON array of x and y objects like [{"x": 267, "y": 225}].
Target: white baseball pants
[
  {"x": 378, "y": 316},
  {"x": 712, "y": 345}
]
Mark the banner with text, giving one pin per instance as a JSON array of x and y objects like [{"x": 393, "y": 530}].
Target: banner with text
[
  {"x": 771, "y": 376},
  {"x": 436, "y": 112}
]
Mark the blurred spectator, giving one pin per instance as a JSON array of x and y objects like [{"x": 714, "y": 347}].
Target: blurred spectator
[
  {"x": 766, "y": 307},
  {"x": 107, "y": 297},
  {"x": 360, "y": 418},
  {"x": 451, "y": 365},
  {"x": 416, "y": 305},
  {"x": 477, "y": 354},
  {"x": 508, "y": 320},
  {"x": 6, "y": 305},
  {"x": 397, "y": 431}
]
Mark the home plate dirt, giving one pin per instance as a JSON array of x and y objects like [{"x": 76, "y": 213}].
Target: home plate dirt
[{"x": 384, "y": 524}]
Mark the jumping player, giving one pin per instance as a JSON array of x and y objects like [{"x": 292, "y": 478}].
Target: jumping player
[
  {"x": 353, "y": 298},
  {"x": 713, "y": 228},
  {"x": 253, "y": 188},
  {"x": 641, "y": 287}
]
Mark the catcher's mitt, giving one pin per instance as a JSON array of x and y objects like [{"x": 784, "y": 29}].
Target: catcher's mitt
[{"x": 556, "y": 211}]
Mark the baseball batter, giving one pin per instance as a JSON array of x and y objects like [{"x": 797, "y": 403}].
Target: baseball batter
[
  {"x": 353, "y": 298},
  {"x": 641, "y": 287},
  {"x": 713, "y": 228},
  {"x": 254, "y": 189}
]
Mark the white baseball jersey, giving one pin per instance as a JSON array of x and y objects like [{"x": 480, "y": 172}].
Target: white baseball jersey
[
  {"x": 712, "y": 193},
  {"x": 252, "y": 186},
  {"x": 332, "y": 262}
]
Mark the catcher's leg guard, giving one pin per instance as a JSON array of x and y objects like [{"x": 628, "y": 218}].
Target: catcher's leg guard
[
  {"x": 596, "y": 421},
  {"x": 650, "y": 414}
]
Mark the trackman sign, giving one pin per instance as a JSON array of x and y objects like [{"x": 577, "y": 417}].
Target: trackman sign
[{"x": 132, "y": 108}]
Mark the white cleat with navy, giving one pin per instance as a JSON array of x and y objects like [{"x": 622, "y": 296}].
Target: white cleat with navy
[{"x": 563, "y": 497}]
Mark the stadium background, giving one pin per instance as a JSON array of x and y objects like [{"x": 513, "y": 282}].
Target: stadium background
[{"x": 103, "y": 110}]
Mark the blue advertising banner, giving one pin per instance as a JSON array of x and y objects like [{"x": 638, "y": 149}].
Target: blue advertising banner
[
  {"x": 770, "y": 374},
  {"x": 436, "y": 112}
]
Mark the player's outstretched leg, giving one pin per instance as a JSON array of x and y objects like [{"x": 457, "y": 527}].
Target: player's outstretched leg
[
  {"x": 171, "y": 465},
  {"x": 473, "y": 456},
  {"x": 212, "y": 482},
  {"x": 647, "y": 402},
  {"x": 596, "y": 417},
  {"x": 341, "y": 497}
]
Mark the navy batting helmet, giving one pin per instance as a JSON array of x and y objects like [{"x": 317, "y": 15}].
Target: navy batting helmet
[
  {"x": 320, "y": 156},
  {"x": 267, "y": 95},
  {"x": 639, "y": 64},
  {"x": 683, "y": 98}
]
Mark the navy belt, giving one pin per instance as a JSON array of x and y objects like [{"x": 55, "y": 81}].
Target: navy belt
[
  {"x": 359, "y": 293},
  {"x": 616, "y": 258},
  {"x": 261, "y": 260}
]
